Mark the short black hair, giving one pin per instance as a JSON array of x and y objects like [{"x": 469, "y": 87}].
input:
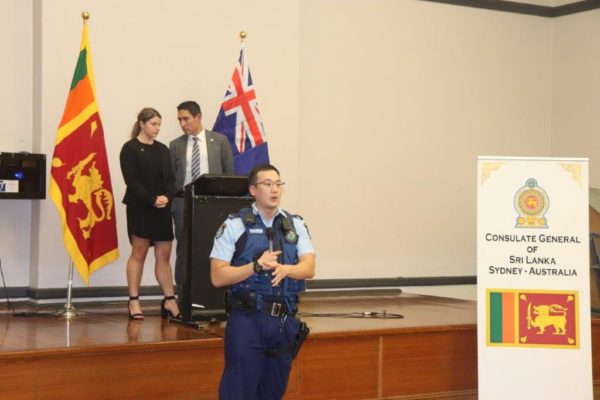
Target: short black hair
[
  {"x": 253, "y": 175},
  {"x": 191, "y": 106}
]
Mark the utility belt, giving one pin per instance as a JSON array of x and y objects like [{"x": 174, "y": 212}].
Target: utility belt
[
  {"x": 247, "y": 302},
  {"x": 273, "y": 306}
]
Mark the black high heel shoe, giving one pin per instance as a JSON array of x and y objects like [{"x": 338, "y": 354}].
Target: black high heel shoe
[
  {"x": 164, "y": 312},
  {"x": 136, "y": 316}
]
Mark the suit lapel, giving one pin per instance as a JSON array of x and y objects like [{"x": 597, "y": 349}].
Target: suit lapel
[
  {"x": 210, "y": 150},
  {"x": 181, "y": 149}
]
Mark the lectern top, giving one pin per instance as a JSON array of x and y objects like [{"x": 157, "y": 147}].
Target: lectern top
[{"x": 220, "y": 185}]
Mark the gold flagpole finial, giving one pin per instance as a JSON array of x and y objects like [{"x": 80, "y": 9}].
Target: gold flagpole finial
[
  {"x": 85, "y": 15},
  {"x": 243, "y": 36}
]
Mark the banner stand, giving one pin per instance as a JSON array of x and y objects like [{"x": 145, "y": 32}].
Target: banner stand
[{"x": 533, "y": 279}]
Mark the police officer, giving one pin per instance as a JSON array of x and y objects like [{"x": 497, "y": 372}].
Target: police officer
[{"x": 264, "y": 254}]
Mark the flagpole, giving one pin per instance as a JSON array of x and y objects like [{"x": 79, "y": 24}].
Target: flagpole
[
  {"x": 68, "y": 311},
  {"x": 239, "y": 117}
]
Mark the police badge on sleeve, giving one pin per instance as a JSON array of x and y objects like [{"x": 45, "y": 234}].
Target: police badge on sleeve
[{"x": 221, "y": 230}]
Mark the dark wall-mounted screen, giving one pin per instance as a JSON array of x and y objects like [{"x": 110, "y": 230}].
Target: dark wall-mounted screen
[{"x": 22, "y": 176}]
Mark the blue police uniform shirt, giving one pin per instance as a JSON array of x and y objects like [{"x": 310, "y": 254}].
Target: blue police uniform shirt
[{"x": 224, "y": 246}]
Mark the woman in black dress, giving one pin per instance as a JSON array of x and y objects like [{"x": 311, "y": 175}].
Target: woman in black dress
[{"x": 146, "y": 168}]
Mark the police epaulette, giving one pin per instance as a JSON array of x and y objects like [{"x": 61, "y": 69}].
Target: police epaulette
[
  {"x": 291, "y": 216},
  {"x": 289, "y": 230},
  {"x": 250, "y": 218},
  {"x": 287, "y": 224}
]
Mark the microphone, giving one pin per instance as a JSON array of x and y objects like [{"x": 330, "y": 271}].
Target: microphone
[{"x": 270, "y": 237}]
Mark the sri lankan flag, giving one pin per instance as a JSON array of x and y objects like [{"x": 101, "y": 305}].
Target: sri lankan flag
[
  {"x": 533, "y": 318},
  {"x": 80, "y": 185}
]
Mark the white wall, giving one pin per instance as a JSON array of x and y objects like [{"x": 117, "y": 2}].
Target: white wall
[
  {"x": 576, "y": 83},
  {"x": 397, "y": 100},
  {"x": 375, "y": 112},
  {"x": 16, "y": 51},
  {"x": 16, "y": 48}
]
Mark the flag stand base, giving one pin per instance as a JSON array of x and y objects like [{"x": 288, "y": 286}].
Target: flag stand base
[{"x": 68, "y": 311}]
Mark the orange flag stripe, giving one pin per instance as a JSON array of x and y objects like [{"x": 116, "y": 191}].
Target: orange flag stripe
[
  {"x": 79, "y": 98},
  {"x": 508, "y": 317}
]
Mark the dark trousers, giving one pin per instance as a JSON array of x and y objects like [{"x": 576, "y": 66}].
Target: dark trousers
[{"x": 249, "y": 373}]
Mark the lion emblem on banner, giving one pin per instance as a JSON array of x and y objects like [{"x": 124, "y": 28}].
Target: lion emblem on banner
[
  {"x": 89, "y": 191},
  {"x": 547, "y": 315}
]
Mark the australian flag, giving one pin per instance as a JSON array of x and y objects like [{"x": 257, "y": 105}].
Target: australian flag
[{"x": 239, "y": 120}]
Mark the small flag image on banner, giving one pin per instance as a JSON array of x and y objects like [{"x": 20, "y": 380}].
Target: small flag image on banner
[
  {"x": 533, "y": 318},
  {"x": 80, "y": 184},
  {"x": 239, "y": 120}
]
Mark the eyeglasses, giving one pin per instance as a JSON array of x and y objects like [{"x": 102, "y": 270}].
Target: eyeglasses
[{"x": 270, "y": 184}]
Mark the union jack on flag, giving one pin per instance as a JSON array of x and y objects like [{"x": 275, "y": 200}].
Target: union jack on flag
[{"x": 239, "y": 120}]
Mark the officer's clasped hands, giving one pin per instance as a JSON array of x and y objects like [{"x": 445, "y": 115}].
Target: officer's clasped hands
[
  {"x": 268, "y": 260},
  {"x": 279, "y": 272}
]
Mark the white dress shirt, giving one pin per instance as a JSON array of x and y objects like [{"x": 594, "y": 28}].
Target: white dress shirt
[{"x": 203, "y": 156}]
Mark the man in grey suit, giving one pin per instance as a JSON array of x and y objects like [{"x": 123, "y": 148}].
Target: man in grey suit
[{"x": 212, "y": 155}]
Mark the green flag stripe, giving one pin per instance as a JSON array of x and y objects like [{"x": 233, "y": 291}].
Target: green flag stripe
[
  {"x": 80, "y": 69},
  {"x": 496, "y": 317}
]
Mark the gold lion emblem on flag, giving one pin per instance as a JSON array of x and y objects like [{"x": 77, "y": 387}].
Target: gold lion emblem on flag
[
  {"x": 545, "y": 315},
  {"x": 90, "y": 192}
]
